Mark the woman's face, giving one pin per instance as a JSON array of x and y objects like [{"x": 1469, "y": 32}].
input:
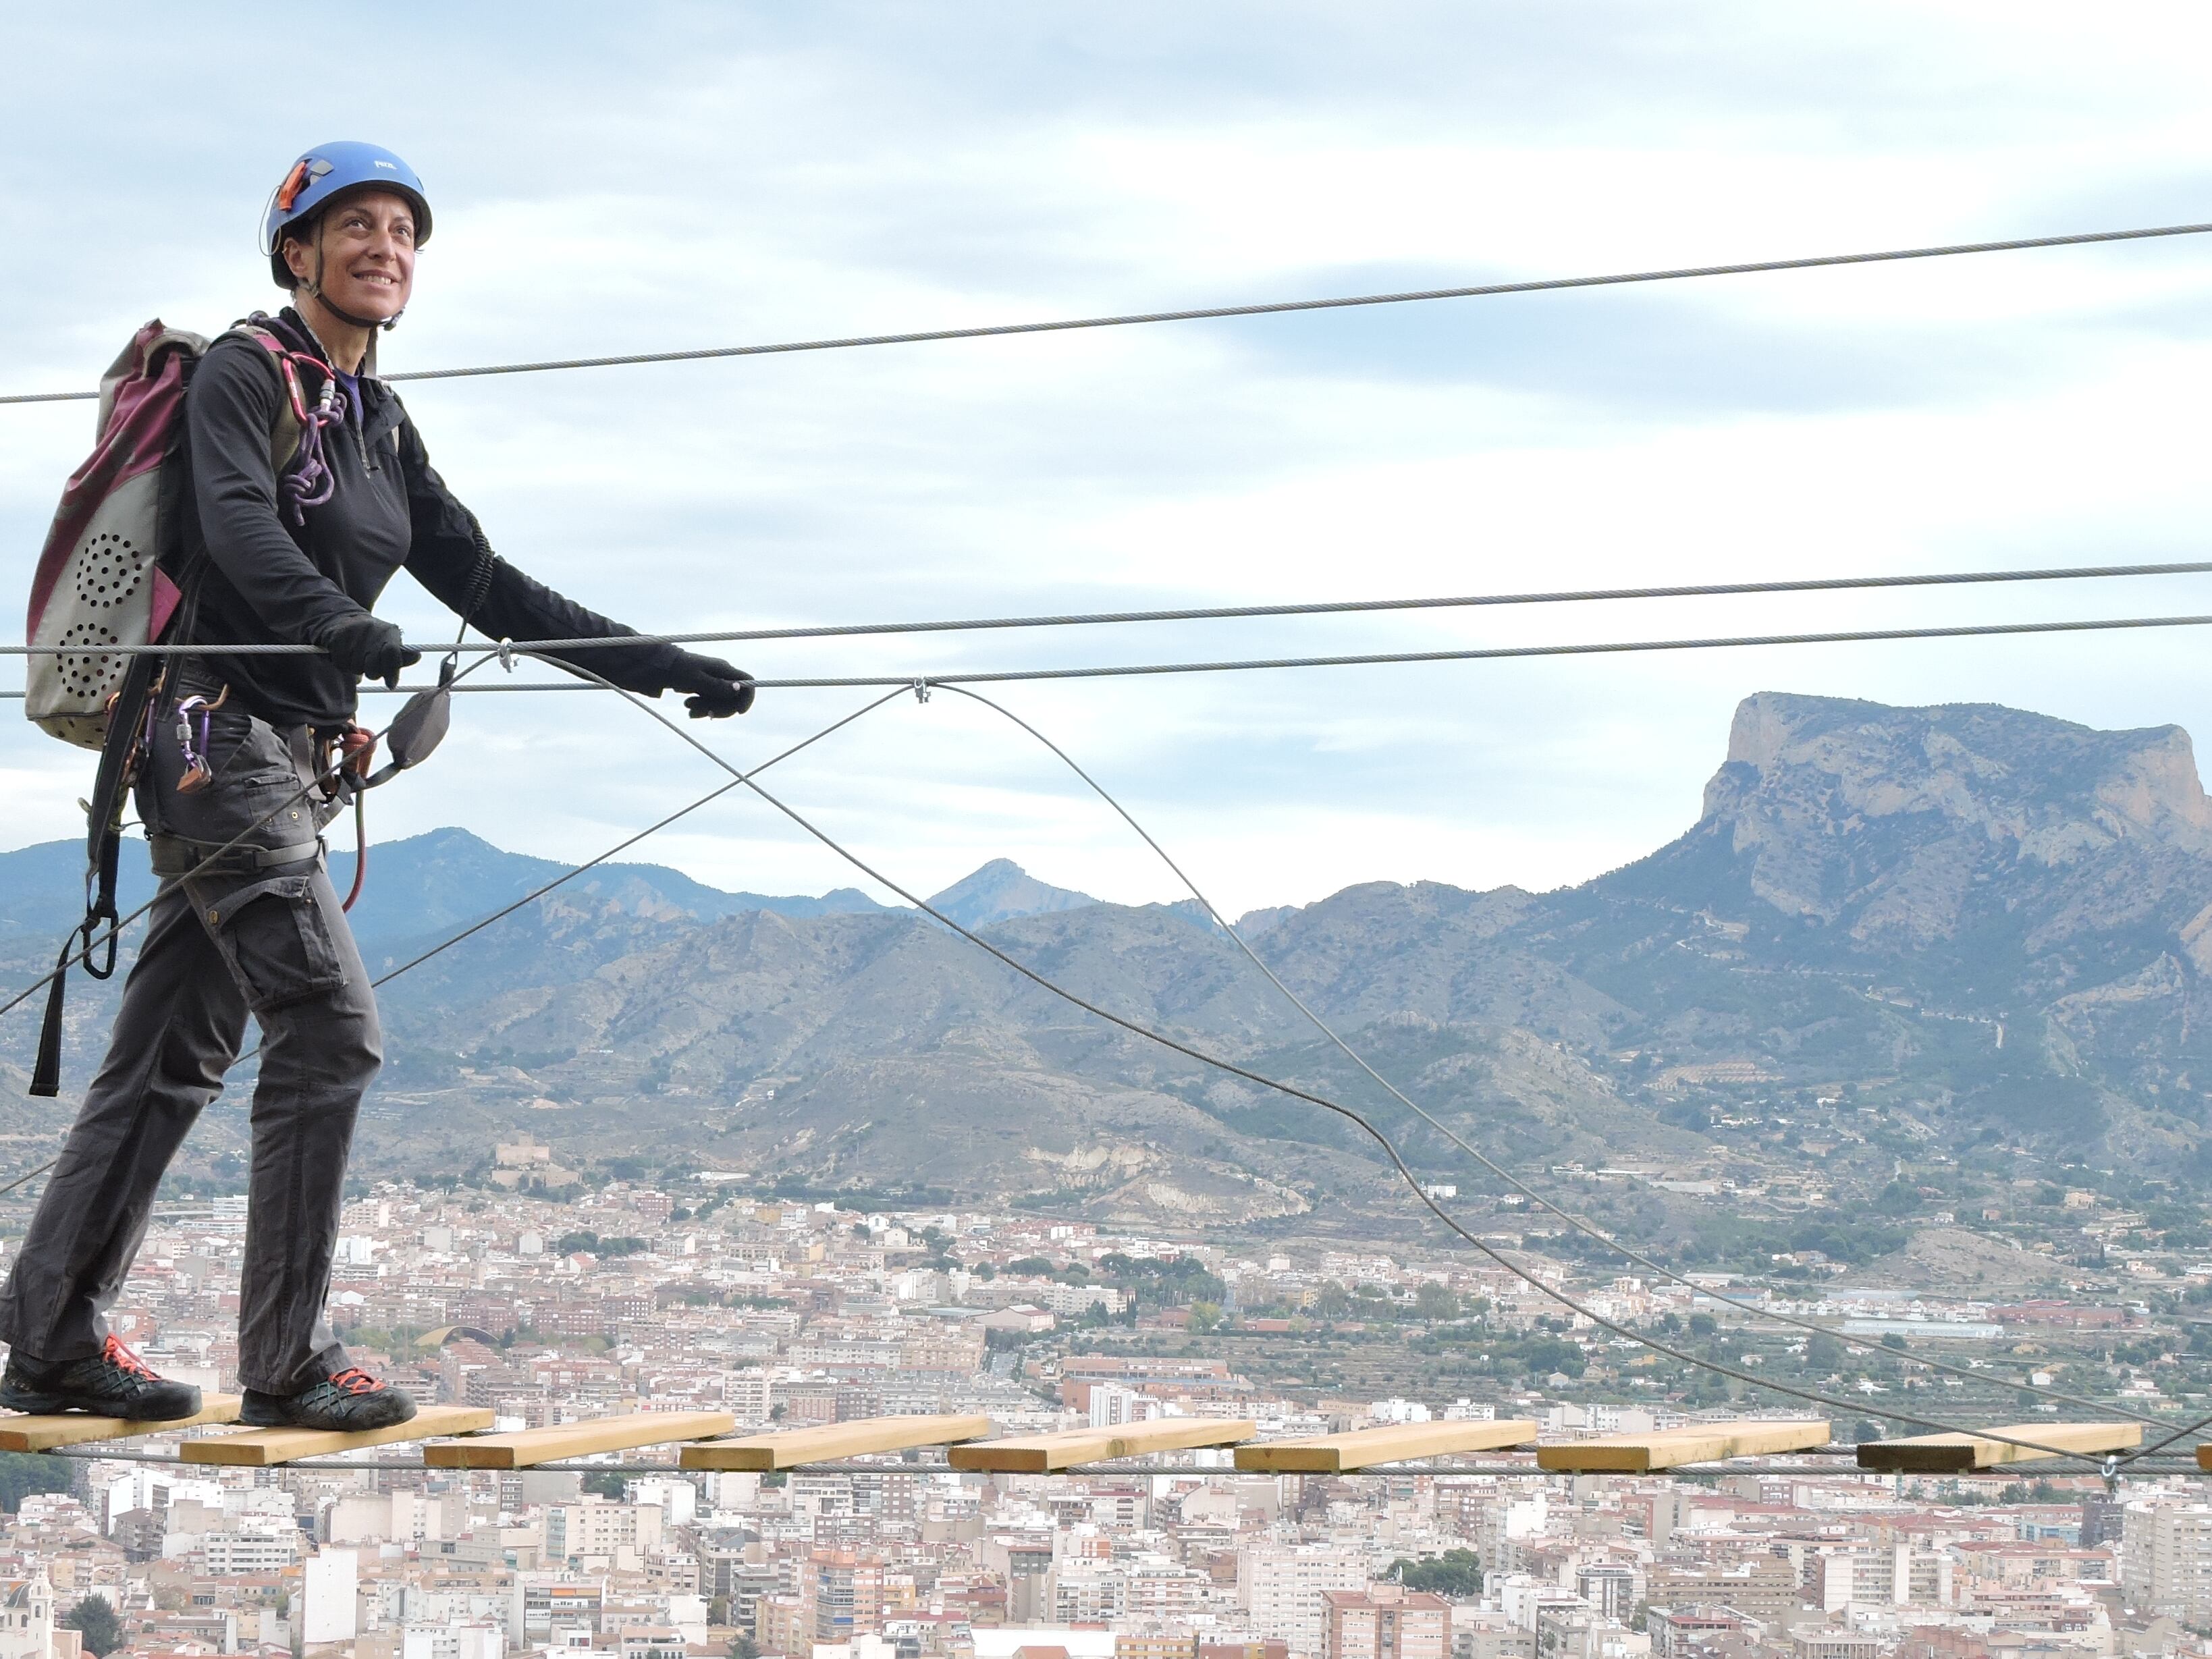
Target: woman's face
[{"x": 365, "y": 245}]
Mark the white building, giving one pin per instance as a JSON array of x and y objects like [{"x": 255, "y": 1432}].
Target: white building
[
  {"x": 1279, "y": 1586},
  {"x": 2165, "y": 1558},
  {"x": 1112, "y": 1405},
  {"x": 596, "y": 1528},
  {"x": 26, "y": 1617},
  {"x": 229, "y": 1554},
  {"x": 329, "y": 1591},
  {"x": 481, "y": 1640},
  {"x": 676, "y": 1500}
]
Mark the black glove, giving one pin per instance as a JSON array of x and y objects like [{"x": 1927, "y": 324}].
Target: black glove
[
  {"x": 373, "y": 649},
  {"x": 717, "y": 689}
]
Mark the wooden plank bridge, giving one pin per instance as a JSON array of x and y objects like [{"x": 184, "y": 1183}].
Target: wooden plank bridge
[{"x": 460, "y": 1437}]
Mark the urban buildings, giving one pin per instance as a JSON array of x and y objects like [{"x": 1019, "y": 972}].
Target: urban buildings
[{"x": 786, "y": 1313}]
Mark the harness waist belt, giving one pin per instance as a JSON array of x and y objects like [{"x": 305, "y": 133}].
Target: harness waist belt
[{"x": 175, "y": 855}]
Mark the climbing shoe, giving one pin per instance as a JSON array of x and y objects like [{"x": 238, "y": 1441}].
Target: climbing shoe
[
  {"x": 347, "y": 1403},
  {"x": 115, "y": 1382}
]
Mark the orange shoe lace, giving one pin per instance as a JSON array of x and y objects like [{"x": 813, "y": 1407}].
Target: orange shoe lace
[
  {"x": 117, "y": 1354},
  {"x": 353, "y": 1380}
]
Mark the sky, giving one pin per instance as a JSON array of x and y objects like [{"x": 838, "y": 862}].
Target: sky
[{"x": 664, "y": 176}]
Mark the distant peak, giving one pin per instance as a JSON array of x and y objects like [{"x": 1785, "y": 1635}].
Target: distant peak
[
  {"x": 450, "y": 835},
  {"x": 1000, "y": 890}
]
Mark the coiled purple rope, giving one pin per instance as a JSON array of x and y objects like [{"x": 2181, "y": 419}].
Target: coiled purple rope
[{"x": 309, "y": 482}]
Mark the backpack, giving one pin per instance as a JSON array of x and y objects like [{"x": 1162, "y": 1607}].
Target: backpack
[
  {"x": 104, "y": 578},
  {"x": 110, "y": 574}
]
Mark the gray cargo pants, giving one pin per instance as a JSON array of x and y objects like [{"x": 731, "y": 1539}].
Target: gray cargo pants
[{"x": 272, "y": 940}]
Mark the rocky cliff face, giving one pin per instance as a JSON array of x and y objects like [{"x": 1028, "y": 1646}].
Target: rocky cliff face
[
  {"x": 2027, "y": 850},
  {"x": 1970, "y": 863}
]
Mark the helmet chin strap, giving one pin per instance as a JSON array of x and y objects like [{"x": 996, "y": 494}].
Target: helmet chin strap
[{"x": 313, "y": 288}]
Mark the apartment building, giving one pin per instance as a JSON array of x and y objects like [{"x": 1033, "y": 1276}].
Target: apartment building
[
  {"x": 1280, "y": 1587},
  {"x": 1384, "y": 1621},
  {"x": 2165, "y": 1558}
]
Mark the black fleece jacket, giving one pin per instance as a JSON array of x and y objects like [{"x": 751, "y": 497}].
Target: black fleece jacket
[{"x": 269, "y": 580}]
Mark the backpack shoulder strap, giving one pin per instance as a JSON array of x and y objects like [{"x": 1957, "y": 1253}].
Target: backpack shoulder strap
[{"x": 291, "y": 404}]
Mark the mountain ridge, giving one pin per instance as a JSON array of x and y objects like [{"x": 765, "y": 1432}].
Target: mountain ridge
[{"x": 1960, "y": 936}]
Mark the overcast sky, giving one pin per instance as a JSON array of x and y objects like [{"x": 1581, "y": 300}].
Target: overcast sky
[{"x": 653, "y": 176}]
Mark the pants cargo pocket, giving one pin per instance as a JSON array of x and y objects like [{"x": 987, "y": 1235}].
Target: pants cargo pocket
[{"x": 276, "y": 941}]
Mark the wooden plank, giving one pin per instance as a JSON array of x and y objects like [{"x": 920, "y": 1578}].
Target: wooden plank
[
  {"x": 1702, "y": 1442},
  {"x": 42, "y": 1433},
  {"x": 602, "y": 1434},
  {"x": 261, "y": 1448},
  {"x": 822, "y": 1441},
  {"x": 1040, "y": 1454},
  {"x": 1333, "y": 1453},
  {"x": 1962, "y": 1454}
]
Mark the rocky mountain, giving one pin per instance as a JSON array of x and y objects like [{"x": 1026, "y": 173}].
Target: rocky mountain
[
  {"x": 1001, "y": 890},
  {"x": 1996, "y": 920},
  {"x": 422, "y": 886},
  {"x": 1956, "y": 933}
]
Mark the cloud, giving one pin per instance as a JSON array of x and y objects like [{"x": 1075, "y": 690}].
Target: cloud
[{"x": 667, "y": 175}]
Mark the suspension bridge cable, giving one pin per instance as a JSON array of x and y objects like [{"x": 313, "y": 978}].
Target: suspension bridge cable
[
  {"x": 1483, "y": 653},
  {"x": 748, "y": 780},
  {"x": 622, "y": 845},
  {"x": 531, "y": 898},
  {"x": 89, "y": 945},
  {"x": 1359, "y": 660},
  {"x": 587, "y": 681},
  {"x": 1369, "y": 658},
  {"x": 1201, "y": 313},
  {"x": 1405, "y": 1171},
  {"x": 1579, "y": 1223},
  {"x": 33, "y": 1176},
  {"x": 1210, "y": 613}
]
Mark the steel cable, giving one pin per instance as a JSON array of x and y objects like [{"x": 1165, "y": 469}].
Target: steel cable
[
  {"x": 1485, "y": 653},
  {"x": 1626, "y": 1332},
  {"x": 1215, "y": 613},
  {"x": 115, "y": 930},
  {"x": 531, "y": 898},
  {"x": 1373, "y": 659},
  {"x": 1266, "y": 308},
  {"x": 1389, "y": 1149},
  {"x": 1628, "y": 1253}
]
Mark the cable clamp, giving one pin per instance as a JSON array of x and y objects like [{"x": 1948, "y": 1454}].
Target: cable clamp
[
  {"x": 2109, "y": 1470},
  {"x": 921, "y": 690},
  {"x": 506, "y": 655}
]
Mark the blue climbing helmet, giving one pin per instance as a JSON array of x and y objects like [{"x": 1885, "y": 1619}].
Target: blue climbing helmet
[{"x": 320, "y": 177}]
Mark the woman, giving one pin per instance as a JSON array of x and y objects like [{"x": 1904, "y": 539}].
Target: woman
[{"x": 298, "y": 553}]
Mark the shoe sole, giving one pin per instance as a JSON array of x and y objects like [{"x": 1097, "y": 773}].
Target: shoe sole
[
  {"x": 264, "y": 1420},
  {"x": 63, "y": 1405}
]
